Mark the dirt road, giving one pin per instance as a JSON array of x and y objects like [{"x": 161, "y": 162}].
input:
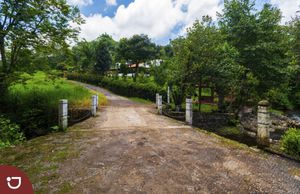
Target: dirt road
[{"x": 127, "y": 148}]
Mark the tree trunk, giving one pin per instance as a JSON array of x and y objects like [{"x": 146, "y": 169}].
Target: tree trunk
[
  {"x": 3, "y": 56},
  {"x": 221, "y": 102},
  {"x": 199, "y": 95},
  {"x": 136, "y": 72}
]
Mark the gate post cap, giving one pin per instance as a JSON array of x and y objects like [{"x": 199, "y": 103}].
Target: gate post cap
[{"x": 264, "y": 103}]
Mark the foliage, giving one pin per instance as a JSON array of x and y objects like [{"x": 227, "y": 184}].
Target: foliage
[
  {"x": 136, "y": 49},
  {"x": 10, "y": 133},
  {"x": 262, "y": 44},
  {"x": 32, "y": 101},
  {"x": 290, "y": 142},
  {"x": 25, "y": 24},
  {"x": 204, "y": 57},
  {"x": 104, "y": 60},
  {"x": 84, "y": 55},
  {"x": 127, "y": 87}
]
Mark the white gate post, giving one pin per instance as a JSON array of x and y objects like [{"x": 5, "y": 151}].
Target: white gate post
[
  {"x": 63, "y": 114},
  {"x": 189, "y": 111},
  {"x": 94, "y": 105},
  {"x": 159, "y": 105},
  {"x": 97, "y": 102},
  {"x": 168, "y": 97},
  {"x": 263, "y": 123},
  {"x": 156, "y": 104}
]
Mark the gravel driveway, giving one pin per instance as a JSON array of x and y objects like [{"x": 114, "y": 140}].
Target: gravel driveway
[{"x": 128, "y": 148}]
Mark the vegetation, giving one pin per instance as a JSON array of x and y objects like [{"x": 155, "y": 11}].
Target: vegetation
[
  {"x": 290, "y": 142},
  {"x": 25, "y": 24},
  {"x": 32, "y": 101},
  {"x": 9, "y": 133},
  {"x": 127, "y": 88},
  {"x": 137, "y": 49},
  {"x": 246, "y": 55}
]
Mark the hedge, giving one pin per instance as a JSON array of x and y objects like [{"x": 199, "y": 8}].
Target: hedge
[{"x": 122, "y": 87}]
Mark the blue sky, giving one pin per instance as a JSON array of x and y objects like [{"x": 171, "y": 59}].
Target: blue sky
[{"x": 161, "y": 20}]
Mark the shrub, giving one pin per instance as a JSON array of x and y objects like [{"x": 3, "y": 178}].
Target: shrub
[
  {"x": 290, "y": 142},
  {"x": 279, "y": 98},
  {"x": 122, "y": 87},
  {"x": 32, "y": 101},
  {"x": 9, "y": 133}
]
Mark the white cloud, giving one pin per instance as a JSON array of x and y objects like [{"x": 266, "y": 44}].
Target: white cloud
[
  {"x": 159, "y": 18},
  {"x": 288, "y": 8},
  {"x": 111, "y": 2},
  {"x": 155, "y": 18},
  {"x": 80, "y": 3}
]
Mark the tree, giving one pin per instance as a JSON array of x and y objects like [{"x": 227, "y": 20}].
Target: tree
[
  {"x": 294, "y": 30},
  {"x": 212, "y": 60},
  {"x": 136, "y": 49},
  {"x": 84, "y": 55},
  {"x": 104, "y": 53},
  {"x": 261, "y": 43},
  {"x": 26, "y": 23}
]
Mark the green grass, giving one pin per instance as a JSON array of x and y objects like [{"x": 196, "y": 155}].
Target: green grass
[
  {"x": 35, "y": 98},
  {"x": 41, "y": 159},
  {"x": 206, "y": 108},
  {"x": 47, "y": 89},
  {"x": 226, "y": 141},
  {"x": 277, "y": 112},
  {"x": 140, "y": 100},
  {"x": 230, "y": 131}
]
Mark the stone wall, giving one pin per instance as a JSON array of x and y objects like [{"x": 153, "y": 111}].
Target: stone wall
[{"x": 278, "y": 124}]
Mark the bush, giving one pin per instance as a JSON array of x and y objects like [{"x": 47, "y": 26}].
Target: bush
[
  {"x": 279, "y": 98},
  {"x": 290, "y": 142},
  {"x": 9, "y": 133},
  {"x": 32, "y": 101},
  {"x": 122, "y": 87}
]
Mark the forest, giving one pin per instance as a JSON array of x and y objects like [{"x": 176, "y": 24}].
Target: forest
[{"x": 243, "y": 57}]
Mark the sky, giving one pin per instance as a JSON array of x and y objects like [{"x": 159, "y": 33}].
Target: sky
[{"x": 161, "y": 20}]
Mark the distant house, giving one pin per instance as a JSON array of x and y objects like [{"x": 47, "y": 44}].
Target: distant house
[{"x": 131, "y": 66}]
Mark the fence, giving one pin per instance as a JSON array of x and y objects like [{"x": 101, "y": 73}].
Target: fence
[
  {"x": 68, "y": 115},
  {"x": 263, "y": 129}
]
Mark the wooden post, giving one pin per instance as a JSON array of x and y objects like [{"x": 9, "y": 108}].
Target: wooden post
[
  {"x": 94, "y": 105},
  {"x": 263, "y": 123},
  {"x": 63, "y": 114},
  {"x": 189, "y": 111},
  {"x": 168, "y": 97},
  {"x": 157, "y": 95},
  {"x": 159, "y": 105}
]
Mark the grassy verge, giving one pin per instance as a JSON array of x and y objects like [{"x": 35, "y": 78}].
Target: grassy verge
[
  {"x": 140, "y": 100},
  {"x": 32, "y": 101},
  {"x": 42, "y": 159}
]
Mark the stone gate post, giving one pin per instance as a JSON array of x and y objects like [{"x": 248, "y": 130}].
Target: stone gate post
[
  {"x": 94, "y": 105},
  {"x": 157, "y": 95},
  {"x": 63, "y": 114},
  {"x": 159, "y": 105},
  {"x": 97, "y": 102},
  {"x": 189, "y": 111},
  {"x": 168, "y": 95},
  {"x": 263, "y": 123}
]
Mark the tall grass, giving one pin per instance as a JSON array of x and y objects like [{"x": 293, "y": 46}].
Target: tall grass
[{"x": 32, "y": 101}]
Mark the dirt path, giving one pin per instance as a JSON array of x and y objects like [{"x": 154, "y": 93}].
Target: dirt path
[{"x": 130, "y": 149}]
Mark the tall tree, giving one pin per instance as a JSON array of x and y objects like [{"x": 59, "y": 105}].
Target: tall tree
[
  {"x": 261, "y": 42},
  {"x": 25, "y": 23},
  {"x": 84, "y": 55},
  {"x": 213, "y": 60},
  {"x": 105, "y": 47},
  {"x": 137, "y": 49}
]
